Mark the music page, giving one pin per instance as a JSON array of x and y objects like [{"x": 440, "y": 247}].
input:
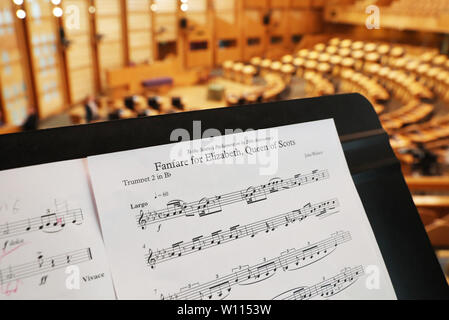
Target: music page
[
  {"x": 50, "y": 241},
  {"x": 262, "y": 214}
]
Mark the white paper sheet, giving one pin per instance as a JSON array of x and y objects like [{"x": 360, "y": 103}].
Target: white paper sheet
[
  {"x": 280, "y": 218},
  {"x": 50, "y": 241}
]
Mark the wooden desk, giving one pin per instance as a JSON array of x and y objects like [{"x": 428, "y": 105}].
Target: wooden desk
[
  {"x": 428, "y": 183},
  {"x": 128, "y": 80},
  {"x": 438, "y": 229},
  {"x": 431, "y": 201},
  {"x": 438, "y": 233},
  {"x": 9, "y": 129}
]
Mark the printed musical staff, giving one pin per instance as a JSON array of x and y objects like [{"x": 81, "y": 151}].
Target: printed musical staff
[
  {"x": 49, "y": 223},
  {"x": 43, "y": 265},
  {"x": 207, "y": 206},
  {"x": 289, "y": 260},
  {"x": 326, "y": 288},
  {"x": 200, "y": 243}
]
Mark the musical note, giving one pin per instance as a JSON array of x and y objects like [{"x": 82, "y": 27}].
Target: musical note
[
  {"x": 253, "y": 195},
  {"x": 266, "y": 269},
  {"x": 218, "y": 289},
  {"x": 40, "y": 260},
  {"x": 175, "y": 207},
  {"x": 234, "y": 232},
  {"x": 45, "y": 265},
  {"x": 239, "y": 232},
  {"x": 275, "y": 185},
  {"x": 295, "y": 258},
  {"x": 197, "y": 243},
  {"x": 326, "y": 288},
  {"x": 208, "y": 206},
  {"x": 176, "y": 249},
  {"x": 216, "y": 238},
  {"x": 48, "y": 223},
  {"x": 211, "y": 205}
]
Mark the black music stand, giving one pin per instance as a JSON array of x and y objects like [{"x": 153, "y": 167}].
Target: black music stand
[{"x": 405, "y": 247}]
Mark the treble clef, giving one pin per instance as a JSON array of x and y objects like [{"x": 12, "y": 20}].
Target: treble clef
[
  {"x": 151, "y": 260},
  {"x": 142, "y": 220}
]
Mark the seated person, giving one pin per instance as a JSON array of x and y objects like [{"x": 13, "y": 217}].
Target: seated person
[
  {"x": 241, "y": 101},
  {"x": 115, "y": 113},
  {"x": 91, "y": 108},
  {"x": 177, "y": 103},
  {"x": 119, "y": 111},
  {"x": 31, "y": 121},
  {"x": 153, "y": 102},
  {"x": 232, "y": 99},
  {"x": 253, "y": 97},
  {"x": 130, "y": 102},
  {"x": 425, "y": 161},
  {"x": 142, "y": 109},
  {"x": 144, "y": 113}
]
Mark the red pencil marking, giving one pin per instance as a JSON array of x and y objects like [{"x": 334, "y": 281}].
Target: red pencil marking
[
  {"x": 8, "y": 252},
  {"x": 10, "y": 288}
]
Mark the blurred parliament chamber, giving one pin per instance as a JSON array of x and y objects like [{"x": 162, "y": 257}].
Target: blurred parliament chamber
[{"x": 76, "y": 61}]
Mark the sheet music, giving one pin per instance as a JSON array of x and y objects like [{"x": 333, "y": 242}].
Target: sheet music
[
  {"x": 266, "y": 214},
  {"x": 50, "y": 241}
]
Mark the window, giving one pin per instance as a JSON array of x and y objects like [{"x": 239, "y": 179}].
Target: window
[
  {"x": 227, "y": 43},
  {"x": 253, "y": 41},
  {"x": 276, "y": 39},
  {"x": 198, "y": 45},
  {"x": 296, "y": 38}
]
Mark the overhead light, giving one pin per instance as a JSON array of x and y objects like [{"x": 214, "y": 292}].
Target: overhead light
[
  {"x": 18, "y": 2},
  {"x": 21, "y": 14},
  {"x": 57, "y": 12},
  {"x": 154, "y": 7},
  {"x": 56, "y": 2},
  {"x": 92, "y": 10},
  {"x": 184, "y": 7}
]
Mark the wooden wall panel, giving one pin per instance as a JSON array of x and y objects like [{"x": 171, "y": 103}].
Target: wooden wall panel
[
  {"x": 84, "y": 80},
  {"x": 165, "y": 29},
  {"x": 321, "y": 3},
  {"x": 109, "y": 28},
  {"x": 227, "y": 31},
  {"x": 166, "y": 23},
  {"x": 284, "y": 4},
  {"x": 305, "y": 21},
  {"x": 301, "y": 4},
  {"x": 254, "y": 32},
  {"x": 166, "y": 6},
  {"x": 79, "y": 55},
  {"x": 13, "y": 85},
  {"x": 46, "y": 60},
  {"x": 199, "y": 51},
  {"x": 139, "y": 31},
  {"x": 278, "y": 42},
  {"x": 262, "y": 4}
]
